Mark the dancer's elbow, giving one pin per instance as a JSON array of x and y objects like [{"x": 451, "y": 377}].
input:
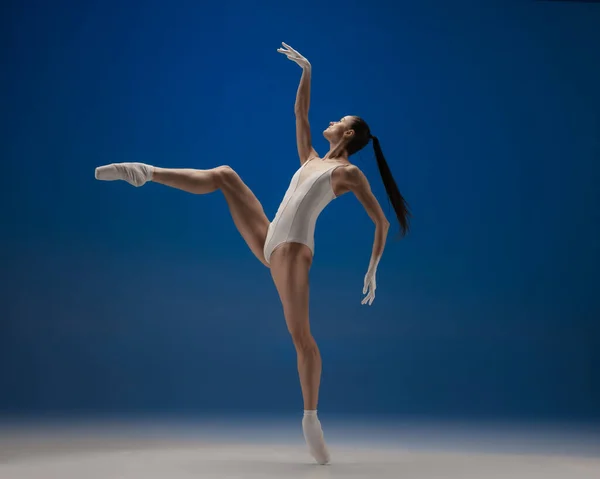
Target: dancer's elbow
[{"x": 382, "y": 223}]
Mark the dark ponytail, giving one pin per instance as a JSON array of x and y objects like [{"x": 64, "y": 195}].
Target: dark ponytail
[
  {"x": 398, "y": 202},
  {"x": 361, "y": 139}
]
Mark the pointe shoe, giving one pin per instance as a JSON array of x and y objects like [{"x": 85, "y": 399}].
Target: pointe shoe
[{"x": 136, "y": 174}]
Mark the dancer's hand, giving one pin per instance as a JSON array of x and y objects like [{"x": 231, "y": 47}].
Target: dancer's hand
[
  {"x": 294, "y": 56},
  {"x": 370, "y": 285}
]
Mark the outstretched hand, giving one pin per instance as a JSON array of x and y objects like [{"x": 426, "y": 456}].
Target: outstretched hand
[
  {"x": 294, "y": 56},
  {"x": 370, "y": 286}
]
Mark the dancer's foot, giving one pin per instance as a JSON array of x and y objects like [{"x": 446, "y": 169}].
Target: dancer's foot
[
  {"x": 135, "y": 174},
  {"x": 313, "y": 434}
]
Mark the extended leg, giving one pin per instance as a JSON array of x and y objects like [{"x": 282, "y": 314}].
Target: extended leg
[
  {"x": 290, "y": 274},
  {"x": 246, "y": 211}
]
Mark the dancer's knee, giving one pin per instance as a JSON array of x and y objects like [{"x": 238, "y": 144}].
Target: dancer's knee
[
  {"x": 303, "y": 340},
  {"x": 225, "y": 176}
]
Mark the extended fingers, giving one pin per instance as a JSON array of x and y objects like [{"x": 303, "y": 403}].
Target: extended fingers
[
  {"x": 290, "y": 55},
  {"x": 288, "y": 47},
  {"x": 370, "y": 287},
  {"x": 287, "y": 50},
  {"x": 371, "y": 297},
  {"x": 368, "y": 299}
]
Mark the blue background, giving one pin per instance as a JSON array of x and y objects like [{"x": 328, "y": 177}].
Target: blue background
[{"x": 117, "y": 299}]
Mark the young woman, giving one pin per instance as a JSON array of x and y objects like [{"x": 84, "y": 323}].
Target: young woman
[{"x": 286, "y": 244}]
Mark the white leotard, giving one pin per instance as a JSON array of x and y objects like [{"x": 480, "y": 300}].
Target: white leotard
[{"x": 308, "y": 194}]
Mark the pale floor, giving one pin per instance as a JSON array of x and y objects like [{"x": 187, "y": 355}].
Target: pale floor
[{"x": 232, "y": 448}]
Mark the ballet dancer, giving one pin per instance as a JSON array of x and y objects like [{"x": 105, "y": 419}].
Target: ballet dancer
[{"x": 286, "y": 244}]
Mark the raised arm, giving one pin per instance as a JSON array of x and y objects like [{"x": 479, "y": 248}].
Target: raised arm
[
  {"x": 358, "y": 184},
  {"x": 302, "y": 105},
  {"x": 303, "y": 137}
]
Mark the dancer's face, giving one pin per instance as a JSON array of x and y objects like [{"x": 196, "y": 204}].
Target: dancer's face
[{"x": 338, "y": 130}]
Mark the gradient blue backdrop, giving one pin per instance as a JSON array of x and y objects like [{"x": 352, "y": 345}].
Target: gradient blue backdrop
[{"x": 117, "y": 299}]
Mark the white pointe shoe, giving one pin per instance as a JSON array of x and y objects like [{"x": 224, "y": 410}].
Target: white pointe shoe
[
  {"x": 313, "y": 434},
  {"x": 136, "y": 174}
]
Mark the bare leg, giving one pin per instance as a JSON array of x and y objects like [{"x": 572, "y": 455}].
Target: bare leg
[
  {"x": 198, "y": 182},
  {"x": 290, "y": 274},
  {"x": 290, "y": 265},
  {"x": 246, "y": 211}
]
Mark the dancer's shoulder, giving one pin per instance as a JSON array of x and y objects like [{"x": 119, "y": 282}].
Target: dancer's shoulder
[{"x": 352, "y": 174}]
